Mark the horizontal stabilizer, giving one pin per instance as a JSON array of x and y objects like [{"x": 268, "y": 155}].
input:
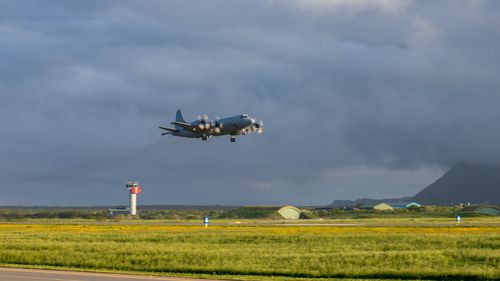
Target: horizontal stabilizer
[{"x": 169, "y": 129}]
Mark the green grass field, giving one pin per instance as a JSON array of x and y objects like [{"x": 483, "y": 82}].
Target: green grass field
[{"x": 415, "y": 249}]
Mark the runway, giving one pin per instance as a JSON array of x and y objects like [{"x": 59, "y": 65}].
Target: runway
[{"x": 19, "y": 274}]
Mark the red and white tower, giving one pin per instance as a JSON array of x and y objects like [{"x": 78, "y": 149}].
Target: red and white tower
[{"x": 134, "y": 189}]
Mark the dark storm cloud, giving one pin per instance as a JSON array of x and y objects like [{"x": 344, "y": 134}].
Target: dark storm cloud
[{"x": 361, "y": 98}]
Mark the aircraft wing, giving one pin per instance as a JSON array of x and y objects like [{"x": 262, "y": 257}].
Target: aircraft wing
[{"x": 185, "y": 125}]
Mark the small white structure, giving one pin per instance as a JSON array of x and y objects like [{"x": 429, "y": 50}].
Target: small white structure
[
  {"x": 413, "y": 204},
  {"x": 134, "y": 189},
  {"x": 290, "y": 213}
]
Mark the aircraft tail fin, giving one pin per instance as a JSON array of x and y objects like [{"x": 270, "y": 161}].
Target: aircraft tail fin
[{"x": 179, "y": 117}]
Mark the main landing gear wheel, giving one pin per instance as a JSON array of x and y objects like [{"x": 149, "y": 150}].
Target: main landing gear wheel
[
  {"x": 204, "y": 138},
  {"x": 232, "y": 139}
]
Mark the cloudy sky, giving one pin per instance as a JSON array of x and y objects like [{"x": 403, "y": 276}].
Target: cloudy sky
[{"x": 360, "y": 98}]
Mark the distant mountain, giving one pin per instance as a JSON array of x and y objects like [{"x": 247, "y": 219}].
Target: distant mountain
[{"x": 464, "y": 183}]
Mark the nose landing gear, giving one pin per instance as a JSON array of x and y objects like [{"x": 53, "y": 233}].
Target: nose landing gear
[{"x": 232, "y": 139}]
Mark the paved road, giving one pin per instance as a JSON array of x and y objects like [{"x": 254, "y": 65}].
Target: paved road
[{"x": 18, "y": 274}]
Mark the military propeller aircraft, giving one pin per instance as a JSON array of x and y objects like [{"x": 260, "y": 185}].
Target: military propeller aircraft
[{"x": 204, "y": 128}]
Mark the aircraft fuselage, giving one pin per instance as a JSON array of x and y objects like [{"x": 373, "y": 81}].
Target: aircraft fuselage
[{"x": 204, "y": 129}]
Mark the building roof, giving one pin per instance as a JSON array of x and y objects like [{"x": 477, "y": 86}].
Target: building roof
[
  {"x": 290, "y": 213},
  {"x": 380, "y": 206},
  {"x": 414, "y": 204},
  {"x": 383, "y": 207}
]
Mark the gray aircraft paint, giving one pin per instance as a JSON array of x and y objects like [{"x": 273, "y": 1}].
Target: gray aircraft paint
[{"x": 234, "y": 125}]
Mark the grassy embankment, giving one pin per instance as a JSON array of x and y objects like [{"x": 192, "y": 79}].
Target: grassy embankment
[
  {"x": 387, "y": 252},
  {"x": 244, "y": 212}
]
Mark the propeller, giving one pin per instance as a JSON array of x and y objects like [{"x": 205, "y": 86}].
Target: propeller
[
  {"x": 259, "y": 127},
  {"x": 203, "y": 124},
  {"x": 202, "y": 117},
  {"x": 217, "y": 125}
]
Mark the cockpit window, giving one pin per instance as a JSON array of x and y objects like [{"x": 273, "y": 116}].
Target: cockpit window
[{"x": 243, "y": 116}]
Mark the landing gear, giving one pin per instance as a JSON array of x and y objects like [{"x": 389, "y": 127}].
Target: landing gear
[
  {"x": 204, "y": 138},
  {"x": 232, "y": 139}
]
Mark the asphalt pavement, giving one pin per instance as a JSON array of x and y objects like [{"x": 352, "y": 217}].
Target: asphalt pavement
[{"x": 19, "y": 274}]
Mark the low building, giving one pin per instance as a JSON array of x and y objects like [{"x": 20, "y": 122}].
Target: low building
[
  {"x": 405, "y": 205},
  {"x": 383, "y": 207},
  {"x": 117, "y": 211},
  {"x": 480, "y": 210},
  {"x": 413, "y": 205},
  {"x": 487, "y": 211},
  {"x": 378, "y": 207},
  {"x": 290, "y": 213}
]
